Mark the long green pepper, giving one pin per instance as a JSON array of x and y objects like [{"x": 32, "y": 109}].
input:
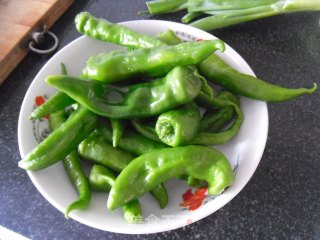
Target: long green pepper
[
  {"x": 95, "y": 148},
  {"x": 178, "y": 87},
  {"x": 73, "y": 168},
  {"x": 153, "y": 168},
  {"x": 153, "y": 62},
  {"x": 214, "y": 69},
  {"x": 62, "y": 141}
]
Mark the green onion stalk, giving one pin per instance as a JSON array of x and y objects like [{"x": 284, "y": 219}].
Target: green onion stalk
[{"x": 224, "y": 13}]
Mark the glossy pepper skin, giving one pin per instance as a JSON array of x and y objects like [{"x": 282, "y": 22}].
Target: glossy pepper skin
[
  {"x": 216, "y": 120},
  {"x": 145, "y": 130},
  {"x": 62, "y": 141},
  {"x": 99, "y": 28},
  {"x": 179, "y": 86},
  {"x": 101, "y": 180},
  {"x": 73, "y": 168},
  {"x": 210, "y": 138},
  {"x": 96, "y": 149},
  {"x": 131, "y": 142},
  {"x": 153, "y": 62},
  {"x": 178, "y": 126},
  {"x": 216, "y": 70},
  {"x": 57, "y": 102},
  {"x": 150, "y": 169},
  {"x": 117, "y": 130}
]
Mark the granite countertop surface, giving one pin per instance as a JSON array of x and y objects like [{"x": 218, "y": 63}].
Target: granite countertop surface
[{"x": 281, "y": 201}]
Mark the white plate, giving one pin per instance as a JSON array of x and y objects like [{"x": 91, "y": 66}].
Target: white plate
[{"x": 244, "y": 151}]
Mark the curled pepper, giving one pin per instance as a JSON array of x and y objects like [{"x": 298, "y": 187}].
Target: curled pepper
[
  {"x": 153, "y": 168},
  {"x": 153, "y": 62},
  {"x": 178, "y": 126},
  {"x": 62, "y": 141},
  {"x": 179, "y": 86}
]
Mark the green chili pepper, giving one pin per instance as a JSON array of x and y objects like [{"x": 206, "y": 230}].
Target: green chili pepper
[
  {"x": 179, "y": 86},
  {"x": 117, "y": 131},
  {"x": 101, "y": 29},
  {"x": 153, "y": 168},
  {"x": 73, "y": 168},
  {"x": 153, "y": 62},
  {"x": 215, "y": 120},
  {"x": 169, "y": 37},
  {"x": 178, "y": 126},
  {"x": 57, "y": 102},
  {"x": 159, "y": 192},
  {"x": 101, "y": 180},
  {"x": 208, "y": 138},
  {"x": 216, "y": 70},
  {"x": 62, "y": 141},
  {"x": 132, "y": 142},
  {"x": 145, "y": 130},
  {"x": 79, "y": 180},
  {"x": 132, "y": 211},
  {"x": 96, "y": 149}
]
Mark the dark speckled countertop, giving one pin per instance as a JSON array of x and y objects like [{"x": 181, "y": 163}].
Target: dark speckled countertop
[{"x": 281, "y": 201}]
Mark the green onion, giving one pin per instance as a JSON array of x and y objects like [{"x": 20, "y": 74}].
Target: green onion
[
  {"x": 224, "y": 13},
  {"x": 166, "y": 6}
]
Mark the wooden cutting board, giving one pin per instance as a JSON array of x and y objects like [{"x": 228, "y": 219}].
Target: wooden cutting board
[{"x": 18, "y": 19}]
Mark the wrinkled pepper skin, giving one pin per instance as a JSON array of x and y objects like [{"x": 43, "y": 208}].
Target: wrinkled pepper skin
[
  {"x": 101, "y": 180},
  {"x": 178, "y": 126},
  {"x": 216, "y": 70},
  {"x": 153, "y": 62},
  {"x": 153, "y": 168},
  {"x": 96, "y": 149},
  {"x": 62, "y": 141},
  {"x": 131, "y": 142},
  {"x": 73, "y": 168},
  {"x": 101, "y": 29},
  {"x": 178, "y": 87}
]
